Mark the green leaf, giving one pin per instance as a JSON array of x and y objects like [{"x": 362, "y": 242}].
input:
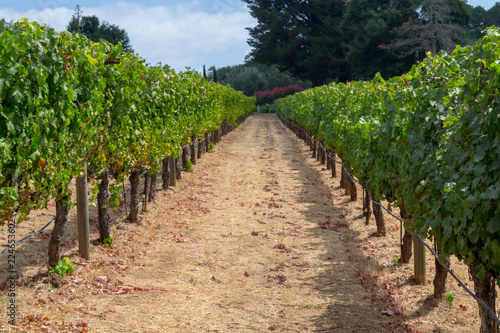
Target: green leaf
[
  {"x": 492, "y": 192},
  {"x": 494, "y": 224},
  {"x": 10, "y": 126},
  {"x": 478, "y": 156},
  {"x": 449, "y": 187},
  {"x": 18, "y": 96}
]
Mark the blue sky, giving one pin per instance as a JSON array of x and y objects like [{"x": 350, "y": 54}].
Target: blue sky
[
  {"x": 487, "y": 4},
  {"x": 182, "y": 34},
  {"x": 178, "y": 33}
]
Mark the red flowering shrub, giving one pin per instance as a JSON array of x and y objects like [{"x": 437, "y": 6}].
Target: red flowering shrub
[{"x": 269, "y": 96}]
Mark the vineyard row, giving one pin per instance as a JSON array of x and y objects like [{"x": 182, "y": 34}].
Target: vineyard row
[
  {"x": 348, "y": 182},
  {"x": 428, "y": 142},
  {"x": 65, "y": 100}
]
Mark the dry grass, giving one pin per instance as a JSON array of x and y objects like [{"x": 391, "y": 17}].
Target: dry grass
[{"x": 237, "y": 247}]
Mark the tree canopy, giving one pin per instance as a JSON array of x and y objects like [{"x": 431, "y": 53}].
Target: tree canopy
[
  {"x": 340, "y": 40},
  {"x": 252, "y": 77},
  {"x": 302, "y": 37},
  {"x": 93, "y": 29}
]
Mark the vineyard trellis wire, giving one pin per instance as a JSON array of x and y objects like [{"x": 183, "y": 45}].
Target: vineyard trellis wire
[
  {"x": 124, "y": 192},
  {"x": 436, "y": 256},
  {"x": 28, "y": 237},
  {"x": 52, "y": 220}
]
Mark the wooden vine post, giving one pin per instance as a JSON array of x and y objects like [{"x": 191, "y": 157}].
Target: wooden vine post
[
  {"x": 194, "y": 150},
  {"x": 314, "y": 148},
  {"x": 334, "y": 166},
  {"x": 178, "y": 162},
  {"x": 104, "y": 222},
  {"x": 172, "y": 171},
  {"x": 367, "y": 207},
  {"x": 185, "y": 156},
  {"x": 419, "y": 260},
  {"x": 207, "y": 141},
  {"x": 135, "y": 178},
  {"x": 152, "y": 187},
  {"x": 353, "y": 191},
  {"x": 147, "y": 188},
  {"x": 165, "y": 174},
  {"x": 201, "y": 147},
  {"x": 82, "y": 215}
]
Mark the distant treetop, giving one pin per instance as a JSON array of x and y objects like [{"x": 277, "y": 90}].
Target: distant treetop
[{"x": 93, "y": 29}]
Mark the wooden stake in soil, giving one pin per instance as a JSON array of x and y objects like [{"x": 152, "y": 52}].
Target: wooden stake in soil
[
  {"x": 193, "y": 149},
  {"x": 353, "y": 190},
  {"x": 134, "y": 195},
  {"x": 165, "y": 174},
  {"x": 318, "y": 152},
  {"x": 172, "y": 171},
  {"x": 102, "y": 207},
  {"x": 62, "y": 209},
  {"x": 419, "y": 261},
  {"x": 201, "y": 148},
  {"x": 185, "y": 153},
  {"x": 152, "y": 187},
  {"x": 178, "y": 174},
  {"x": 367, "y": 206},
  {"x": 147, "y": 187},
  {"x": 82, "y": 215}
]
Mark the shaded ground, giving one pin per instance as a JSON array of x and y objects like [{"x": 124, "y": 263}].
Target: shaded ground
[{"x": 237, "y": 247}]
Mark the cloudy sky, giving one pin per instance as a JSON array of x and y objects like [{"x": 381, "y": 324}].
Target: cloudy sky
[{"x": 179, "y": 33}]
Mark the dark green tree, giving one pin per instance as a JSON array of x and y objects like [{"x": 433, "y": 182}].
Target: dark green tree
[
  {"x": 493, "y": 16},
  {"x": 368, "y": 24},
  {"x": 213, "y": 74},
  {"x": 439, "y": 26},
  {"x": 204, "y": 72},
  {"x": 251, "y": 77},
  {"x": 249, "y": 80},
  {"x": 93, "y": 29},
  {"x": 482, "y": 19},
  {"x": 302, "y": 37}
]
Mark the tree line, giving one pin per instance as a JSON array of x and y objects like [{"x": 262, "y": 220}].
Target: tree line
[
  {"x": 252, "y": 76},
  {"x": 341, "y": 40}
]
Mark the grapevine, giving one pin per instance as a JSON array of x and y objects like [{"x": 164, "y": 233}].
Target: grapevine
[{"x": 62, "y": 103}]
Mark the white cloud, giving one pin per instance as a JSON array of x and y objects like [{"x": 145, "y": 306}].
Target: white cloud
[
  {"x": 179, "y": 36},
  {"x": 56, "y": 18}
]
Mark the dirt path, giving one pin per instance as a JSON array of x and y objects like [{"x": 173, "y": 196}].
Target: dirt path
[
  {"x": 258, "y": 260},
  {"x": 235, "y": 247}
]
